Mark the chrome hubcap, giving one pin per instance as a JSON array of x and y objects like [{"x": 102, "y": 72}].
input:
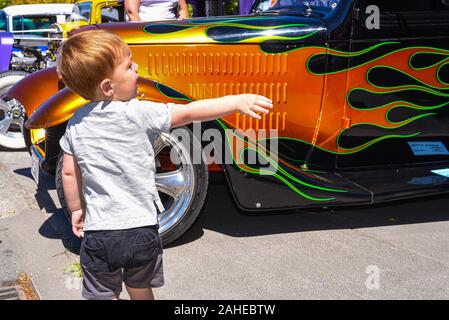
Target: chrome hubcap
[
  {"x": 11, "y": 119},
  {"x": 175, "y": 187}
]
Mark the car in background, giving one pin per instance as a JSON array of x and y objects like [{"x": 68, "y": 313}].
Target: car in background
[
  {"x": 29, "y": 38},
  {"x": 87, "y": 12},
  {"x": 30, "y": 25},
  {"x": 24, "y": 49},
  {"x": 33, "y": 20}
]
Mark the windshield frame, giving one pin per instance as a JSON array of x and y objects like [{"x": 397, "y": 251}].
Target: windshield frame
[
  {"x": 294, "y": 9},
  {"x": 78, "y": 10}
]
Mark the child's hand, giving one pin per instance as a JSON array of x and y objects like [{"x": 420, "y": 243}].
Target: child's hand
[
  {"x": 78, "y": 222},
  {"x": 250, "y": 104},
  {"x": 211, "y": 109}
]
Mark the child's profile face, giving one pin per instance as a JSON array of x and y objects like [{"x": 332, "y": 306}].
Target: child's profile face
[{"x": 124, "y": 79}]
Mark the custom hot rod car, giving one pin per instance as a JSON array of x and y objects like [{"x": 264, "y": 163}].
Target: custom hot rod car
[{"x": 360, "y": 91}]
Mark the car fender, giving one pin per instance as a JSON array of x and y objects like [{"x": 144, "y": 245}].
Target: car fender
[
  {"x": 35, "y": 89},
  {"x": 60, "y": 107}
]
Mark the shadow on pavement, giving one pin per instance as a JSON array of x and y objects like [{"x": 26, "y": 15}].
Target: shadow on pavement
[
  {"x": 26, "y": 172},
  {"x": 46, "y": 184},
  {"x": 56, "y": 226},
  {"x": 220, "y": 214}
]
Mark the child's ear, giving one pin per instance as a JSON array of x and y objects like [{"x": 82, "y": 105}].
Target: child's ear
[
  {"x": 106, "y": 88},
  {"x": 58, "y": 72}
]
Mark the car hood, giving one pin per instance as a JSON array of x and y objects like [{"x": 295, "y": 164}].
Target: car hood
[
  {"x": 226, "y": 30},
  {"x": 68, "y": 26}
]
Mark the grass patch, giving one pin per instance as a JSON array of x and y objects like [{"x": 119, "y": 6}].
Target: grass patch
[{"x": 74, "y": 270}]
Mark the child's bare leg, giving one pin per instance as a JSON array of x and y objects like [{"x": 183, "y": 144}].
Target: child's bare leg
[{"x": 140, "y": 293}]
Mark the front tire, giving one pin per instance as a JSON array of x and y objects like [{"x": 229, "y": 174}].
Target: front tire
[
  {"x": 11, "y": 118},
  {"x": 182, "y": 187}
]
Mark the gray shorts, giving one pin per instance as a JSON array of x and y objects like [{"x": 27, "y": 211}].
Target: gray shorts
[{"x": 109, "y": 258}]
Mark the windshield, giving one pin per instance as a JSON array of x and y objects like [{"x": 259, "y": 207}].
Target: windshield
[
  {"x": 2, "y": 20},
  {"x": 81, "y": 12},
  {"x": 268, "y": 5},
  {"x": 32, "y": 23}
]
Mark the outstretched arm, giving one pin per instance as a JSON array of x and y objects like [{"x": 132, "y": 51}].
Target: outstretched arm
[
  {"x": 72, "y": 184},
  {"x": 209, "y": 109},
  {"x": 132, "y": 9}
]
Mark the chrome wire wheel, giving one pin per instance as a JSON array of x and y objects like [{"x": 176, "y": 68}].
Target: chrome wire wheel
[
  {"x": 175, "y": 182},
  {"x": 11, "y": 123},
  {"x": 11, "y": 113}
]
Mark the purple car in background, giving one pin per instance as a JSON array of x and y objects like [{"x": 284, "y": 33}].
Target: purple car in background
[{"x": 6, "y": 43}]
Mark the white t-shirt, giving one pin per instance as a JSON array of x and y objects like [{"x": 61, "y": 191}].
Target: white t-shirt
[
  {"x": 110, "y": 141},
  {"x": 154, "y": 10}
]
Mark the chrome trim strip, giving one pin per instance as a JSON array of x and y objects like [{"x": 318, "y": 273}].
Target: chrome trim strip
[{"x": 37, "y": 153}]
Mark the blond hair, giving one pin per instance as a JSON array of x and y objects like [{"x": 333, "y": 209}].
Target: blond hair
[{"x": 87, "y": 58}]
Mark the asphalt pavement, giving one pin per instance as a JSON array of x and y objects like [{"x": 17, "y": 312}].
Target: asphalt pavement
[{"x": 395, "y": 251}]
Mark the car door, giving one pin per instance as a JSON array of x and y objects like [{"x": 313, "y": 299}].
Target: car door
[{"x": 397, "y": 98}]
